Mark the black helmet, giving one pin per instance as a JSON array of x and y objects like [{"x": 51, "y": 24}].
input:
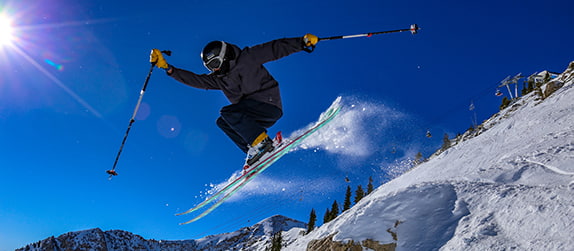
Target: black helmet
[{"x": 216, "y": 55}]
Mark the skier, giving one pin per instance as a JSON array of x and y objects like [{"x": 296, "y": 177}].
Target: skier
[{"x": 253, "y": 92}]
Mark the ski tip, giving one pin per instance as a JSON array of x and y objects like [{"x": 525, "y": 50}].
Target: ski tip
[
  {"x": 333, "y": 109},
  {"x": 337, "y": 101}
]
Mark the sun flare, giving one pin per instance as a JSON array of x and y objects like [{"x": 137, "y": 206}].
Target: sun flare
[{"x": 6, "y": 31}]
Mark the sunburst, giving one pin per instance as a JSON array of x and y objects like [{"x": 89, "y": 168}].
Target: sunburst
[
  {"x": 13, "y": 46},
  {"x": 6, "y": 31}
]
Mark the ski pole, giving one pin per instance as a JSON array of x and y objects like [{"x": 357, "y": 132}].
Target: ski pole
[
  {"x": 112, "y": 172},
  {"x": 413, "y": 29}
]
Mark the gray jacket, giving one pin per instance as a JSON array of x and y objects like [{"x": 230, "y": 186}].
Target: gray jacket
[{"x": 247, "y": 77}]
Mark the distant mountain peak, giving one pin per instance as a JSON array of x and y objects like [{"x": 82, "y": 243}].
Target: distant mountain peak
[
  {"x": 277, "y": 223},
  {"x": 255, "y": 237}
]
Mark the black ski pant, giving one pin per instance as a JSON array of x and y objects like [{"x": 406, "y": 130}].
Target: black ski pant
[{"x": 244, "y": 121}]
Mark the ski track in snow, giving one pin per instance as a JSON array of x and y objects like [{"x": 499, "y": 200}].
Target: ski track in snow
[{"x": 551, "y": 168}]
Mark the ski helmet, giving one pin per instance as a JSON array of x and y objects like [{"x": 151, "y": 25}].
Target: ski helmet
[{"x": 216, "y": 54}]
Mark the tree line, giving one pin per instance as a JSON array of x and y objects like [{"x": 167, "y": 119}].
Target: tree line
[{"x": 335, "y": 210}]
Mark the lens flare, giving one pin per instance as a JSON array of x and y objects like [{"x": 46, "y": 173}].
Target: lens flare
[
  {"x": 6, "y": 31},
  {"x": 20, "y": 38},
  {"x": 58, "y": 67}
]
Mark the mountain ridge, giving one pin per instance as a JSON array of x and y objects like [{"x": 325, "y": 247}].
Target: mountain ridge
[{"x": 248, "y": 238}]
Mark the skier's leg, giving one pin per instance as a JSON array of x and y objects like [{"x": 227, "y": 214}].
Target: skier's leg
[
  {"x": 232, "y": 134},
  {"x": 250, "y": 118},
  {"x": 264, "y": 114}
]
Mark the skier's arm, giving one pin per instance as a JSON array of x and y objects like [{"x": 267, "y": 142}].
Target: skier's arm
[
  {"x": 275, "y": 49},
  {"x": 201, "y": 81},
  {"x": 189, "y": 78}
]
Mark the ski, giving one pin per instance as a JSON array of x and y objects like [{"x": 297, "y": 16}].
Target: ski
[
  {"x": 218, "y": 193},
  {"x": 266, "y": 161},
  {"x": 225, "y": 196},
  {"x": 233, "y": 183}
]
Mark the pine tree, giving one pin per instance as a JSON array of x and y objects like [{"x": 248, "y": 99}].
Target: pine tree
[
  {"x": 312, "y": 220},
  {"x": 505, "y": 103},
  {"x": 334, "y": 210},
  {"x": 530, "y": 86},
  {"x": 547, "y": 78},
  {"x": 327, "y": 216},
  {"x": 359, "y": 194},
  {"x": 445, "y": 142},
  {"x": 419, "y": 158},
  {"x": 370, "y": 187},
  {"x": 347, "y": 203},
  {"x": 276, "y": 242},
  {"x": 524, "y": 90}
]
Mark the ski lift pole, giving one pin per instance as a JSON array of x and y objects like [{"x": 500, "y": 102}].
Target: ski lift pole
[
  {"x": 112, "y": 172},
  {"x": 413, "y": 29}
]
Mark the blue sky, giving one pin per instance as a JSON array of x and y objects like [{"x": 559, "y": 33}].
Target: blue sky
[{"x": 73, "y": 71}]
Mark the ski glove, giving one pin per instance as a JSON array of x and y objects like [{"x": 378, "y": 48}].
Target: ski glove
[
  {"x": 310, "y": 40},
  {"x": 157, "y": 59}
]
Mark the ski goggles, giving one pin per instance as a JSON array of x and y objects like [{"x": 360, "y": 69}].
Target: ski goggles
[{"x": 214, "y": 62}]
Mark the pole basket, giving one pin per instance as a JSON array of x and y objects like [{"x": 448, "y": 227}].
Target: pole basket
[
  {"x": 112, "y": 173},
  {"x": 414, "y": 28}
]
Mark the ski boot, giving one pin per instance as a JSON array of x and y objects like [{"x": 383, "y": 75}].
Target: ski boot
[{"x": 262, "y": 145}]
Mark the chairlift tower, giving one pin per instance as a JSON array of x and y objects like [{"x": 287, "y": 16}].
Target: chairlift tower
[{"x": 508, "y": 81}]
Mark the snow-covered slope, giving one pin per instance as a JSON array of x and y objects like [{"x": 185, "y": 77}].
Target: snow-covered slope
[{"x": 509, "y": 188}]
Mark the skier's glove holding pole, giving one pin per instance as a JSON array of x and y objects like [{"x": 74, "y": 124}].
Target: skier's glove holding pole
[
  {"x": 156, "y": 58},
  {"x": 310, "y": 40}
]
